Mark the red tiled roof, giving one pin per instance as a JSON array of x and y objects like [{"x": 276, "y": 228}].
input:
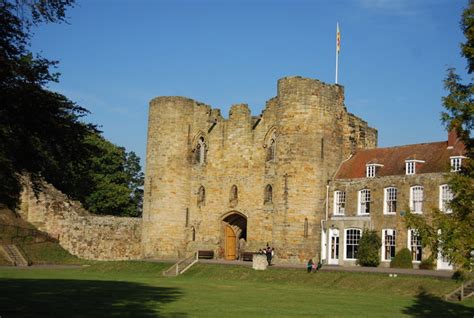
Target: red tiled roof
[{"x": 435, "y": 156}]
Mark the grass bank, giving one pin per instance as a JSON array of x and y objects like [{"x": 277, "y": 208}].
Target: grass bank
[{"x": 138, "y": 289}]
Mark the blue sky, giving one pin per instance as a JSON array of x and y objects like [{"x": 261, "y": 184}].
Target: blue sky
[{"x": 116, "y": 55}]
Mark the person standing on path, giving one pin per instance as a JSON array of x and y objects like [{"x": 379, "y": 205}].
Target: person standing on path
[{"x": 269, "y": 253}]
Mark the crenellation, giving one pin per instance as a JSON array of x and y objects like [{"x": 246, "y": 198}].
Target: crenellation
[{"x": 281, "y": 149}]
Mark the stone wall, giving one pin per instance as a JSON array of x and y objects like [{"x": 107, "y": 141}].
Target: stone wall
[
  {"x": 313, "y": 133},
  {"x": 82, "y": 234}
]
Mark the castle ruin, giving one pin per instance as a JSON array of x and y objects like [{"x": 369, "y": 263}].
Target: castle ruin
[{"x": 235, "y": 184}]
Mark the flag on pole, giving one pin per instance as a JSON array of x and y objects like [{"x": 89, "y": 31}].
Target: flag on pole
[
  {"x": 338, "y": 48},
  {"x": 338, "y": 39}
]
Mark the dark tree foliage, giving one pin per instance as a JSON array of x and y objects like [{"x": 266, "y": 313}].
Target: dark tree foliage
[
  {"x": 452, "y": 234},
  {"x": 402, "y": 259},
  {"x": 112, "y": 180},
  {"x": 41, "y": 132},
  {"x": 369, "y": 247}
]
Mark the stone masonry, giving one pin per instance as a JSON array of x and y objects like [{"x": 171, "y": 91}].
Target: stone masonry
[
  {"x": 82, "y": 234},
  {"x": 188, "y": 202}
]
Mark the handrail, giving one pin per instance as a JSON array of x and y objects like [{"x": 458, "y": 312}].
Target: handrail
[
  {"x": 181, "y": 265},
  {"x": 461, "y": 289}
]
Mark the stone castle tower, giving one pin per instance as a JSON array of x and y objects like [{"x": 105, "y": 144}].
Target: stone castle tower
[{"x": 236, "y": 184}]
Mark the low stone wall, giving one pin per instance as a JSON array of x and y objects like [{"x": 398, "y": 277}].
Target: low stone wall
[{"x": 79, "y": 232}]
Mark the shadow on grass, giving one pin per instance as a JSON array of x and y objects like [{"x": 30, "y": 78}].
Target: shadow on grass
[
  {"x": 83, "y": 298},
  {"x": 427, "y": 305}
]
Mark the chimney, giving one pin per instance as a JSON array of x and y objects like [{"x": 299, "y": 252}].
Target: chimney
[{"x": 452, "y": 137}]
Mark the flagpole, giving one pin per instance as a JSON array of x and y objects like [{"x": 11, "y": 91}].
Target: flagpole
[{"x": 337, "y": 49}]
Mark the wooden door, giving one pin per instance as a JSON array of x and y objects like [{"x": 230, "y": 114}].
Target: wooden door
[{"x": 230, "y": 243}]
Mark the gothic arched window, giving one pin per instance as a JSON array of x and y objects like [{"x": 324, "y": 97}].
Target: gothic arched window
[
  {"x": 234, "y": 196},
  {"x": 200, "y": 151},
  {"x": 268, "y": 195},
  {"x": 201, "y": 201},
  {"x": 270, "y": 147}
]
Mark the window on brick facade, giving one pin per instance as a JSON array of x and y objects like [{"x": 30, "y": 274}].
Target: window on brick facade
[
  {"x": 416, "y": 199},
  {"x": 268, "y": 195},
  {"x": 410, "y": 167},
  {"x": 388, "y": 244},
  {"x": 456, "y": 163},
  {"x": 370, "y": 171},
  {"x": 390, "y": 200},
  {"x": 339, "y": 202},
  {"x": 364, "y": 202},
  {"x": 352, "y": 239},
  {"x": 415, "y": 245},
  {"x": 445, "y": 197}
]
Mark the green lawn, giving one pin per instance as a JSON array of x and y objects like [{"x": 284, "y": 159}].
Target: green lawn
[{"x": 138, "y": 289}]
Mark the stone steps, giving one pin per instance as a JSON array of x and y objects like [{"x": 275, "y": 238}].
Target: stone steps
[
  {"x": 14, "y": 255},
  {"x": 462, "y": 292}
]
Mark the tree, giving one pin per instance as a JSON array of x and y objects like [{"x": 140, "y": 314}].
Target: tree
[
  {"x": 369, "y": 246},
  {"x": 452, "y": 234},
  {"x": 40, "y": 131},
  {"x": 111, "y": 181}
]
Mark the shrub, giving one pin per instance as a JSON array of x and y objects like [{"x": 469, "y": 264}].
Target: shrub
[
  {"x": 427, "y": 263},
  {"x": 369, "y": 246},
  {"x": 402, "y": 259}
]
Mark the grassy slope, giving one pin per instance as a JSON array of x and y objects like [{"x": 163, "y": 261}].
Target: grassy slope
[
  {"x": 38, "y": 251},
  {"x": 135, "y": 288}
]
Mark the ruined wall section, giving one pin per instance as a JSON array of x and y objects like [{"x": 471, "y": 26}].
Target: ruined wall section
[
  {"x": 357, "y": 134},
  {"x": 80, "y": 233}
]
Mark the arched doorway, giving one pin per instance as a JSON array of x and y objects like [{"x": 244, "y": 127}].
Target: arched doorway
[{"x": 235, "y": 234}]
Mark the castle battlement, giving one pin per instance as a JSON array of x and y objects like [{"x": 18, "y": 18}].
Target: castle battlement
[{"x": 262, "y": 178}]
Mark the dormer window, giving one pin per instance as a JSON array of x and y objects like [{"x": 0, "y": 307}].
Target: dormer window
[
  {"x": 456, "y": 163},
  {"x": 410, "y": 166},
  {"x": 371, "y": 169}
]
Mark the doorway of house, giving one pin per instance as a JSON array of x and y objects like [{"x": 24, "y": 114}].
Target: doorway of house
[
  {"x": 333, "y": 247},
  {"x": 235, "y": 234}
]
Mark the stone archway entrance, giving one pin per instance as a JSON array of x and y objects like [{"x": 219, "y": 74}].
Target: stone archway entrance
[{"x": 235, "y": 234}]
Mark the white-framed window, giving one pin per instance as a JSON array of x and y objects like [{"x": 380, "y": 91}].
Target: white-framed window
[
  {"x": 410, "y": 167},
  {"x": 351, "y": 243},
  {"x": 364, "y": 202},
  {"x": 456, "y": 163},
  {"x": 339, "y": 202},
  {"x": 370, "y": 171},
  {"x": 416, "y": 199},
  {"x": 415, "y": 245},
  {"x": 445, "y": 197},
  {"x": 388, "y": 244},
  {"x": 390, "y": 200}
]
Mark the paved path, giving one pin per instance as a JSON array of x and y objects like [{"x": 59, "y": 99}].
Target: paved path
[{"x": 335, "y": 268}]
